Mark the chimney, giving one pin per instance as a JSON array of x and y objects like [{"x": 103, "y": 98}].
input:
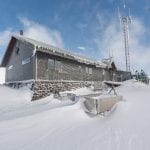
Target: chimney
[{"x": 21, "y": 32}]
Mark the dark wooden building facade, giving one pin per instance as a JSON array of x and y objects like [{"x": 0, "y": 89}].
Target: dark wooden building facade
[{"x": 28, "y": 60}]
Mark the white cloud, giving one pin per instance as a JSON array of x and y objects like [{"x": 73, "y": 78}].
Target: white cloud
[
  {"x": 5, "y": 36},
  {"x": 81, "y": 48},
  {"x": 112, "y": 42},
  {"x": 4, "y": 39},
  {"x": 32, "y": 30},
  {"x": 42, "y": 33}
]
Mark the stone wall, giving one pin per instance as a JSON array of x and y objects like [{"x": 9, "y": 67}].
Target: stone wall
[{"x": 42, "y": 89}]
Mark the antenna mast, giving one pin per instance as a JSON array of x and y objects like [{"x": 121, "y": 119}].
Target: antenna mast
[{"x": 126, "y": 20}]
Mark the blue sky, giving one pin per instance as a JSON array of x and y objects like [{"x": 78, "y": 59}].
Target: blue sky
[{"x": 87, "y": 27}]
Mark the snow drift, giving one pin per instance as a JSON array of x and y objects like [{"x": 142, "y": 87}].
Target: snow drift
[
  {"x": 2, "y": 75},
  {"x": 51, "y": 124}
]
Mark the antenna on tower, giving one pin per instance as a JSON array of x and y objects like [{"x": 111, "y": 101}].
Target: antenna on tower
[
  {"x": 109, "y": 53},
  {"x": 124, "y": 4},
  {"x": 119, "y": 16},
  {"x": 130, "y": 15},
  {"x": 125, "y": 21}
]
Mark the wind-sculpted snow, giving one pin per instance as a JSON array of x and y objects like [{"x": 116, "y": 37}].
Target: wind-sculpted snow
[{"x": 51, "y": 124}]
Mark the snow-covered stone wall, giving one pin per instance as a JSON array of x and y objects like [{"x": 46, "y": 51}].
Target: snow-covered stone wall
[{"x": 42, "y": 89}]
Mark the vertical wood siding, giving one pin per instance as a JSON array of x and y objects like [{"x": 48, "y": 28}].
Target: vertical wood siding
[
  {"x": 20, "y": 72},
  {"x": 70, "y": 70}
]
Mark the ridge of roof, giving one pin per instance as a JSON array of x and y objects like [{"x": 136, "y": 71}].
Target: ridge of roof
[{"x": 43, "y": 45}]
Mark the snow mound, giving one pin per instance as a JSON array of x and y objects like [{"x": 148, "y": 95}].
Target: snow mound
[
  {"x": 51, "y": 124},
  {"x": 2, "y": 75},
  {"x": 12, "y": 96}
]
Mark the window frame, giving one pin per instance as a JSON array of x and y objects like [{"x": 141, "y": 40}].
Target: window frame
[
  {"x": 26, "y": 61},
  {"x": 90, "y": 71},
  {"x": 10, "y": 67},
  {"x": 50, "y": 64},
  {"x": 58, "y": 67}
]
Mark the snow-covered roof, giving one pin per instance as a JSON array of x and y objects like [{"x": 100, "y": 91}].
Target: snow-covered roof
[
  {"x": 47, "y": 48},
  {"x": 108, "y": 62}
]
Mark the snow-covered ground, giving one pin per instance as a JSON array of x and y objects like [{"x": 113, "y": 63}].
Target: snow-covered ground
[
  {"x": 49, "y": 124},
  {"x": 2, "y": 75}
]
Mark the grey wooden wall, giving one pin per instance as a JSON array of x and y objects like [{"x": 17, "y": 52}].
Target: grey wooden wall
[
  {"x": 70, "y": 70},
  {"x": 19, "y": 72},
  {"x": 123, "y": 75}
]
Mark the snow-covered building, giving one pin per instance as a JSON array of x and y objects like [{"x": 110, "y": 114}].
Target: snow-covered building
[
  {"x": 111, "y": 67},
  {"x": 30, "y": 61},
  {"x": 115, "y": 73}
]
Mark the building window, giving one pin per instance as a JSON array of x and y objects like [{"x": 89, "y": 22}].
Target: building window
[
  {"x": 58, "y": 65},
  {"x": 26, "y": 61},
  {"x": 80, "y": 69},
  {"x": 10, "y": 67},
  {"x": 103, "y": 72},
  {"x": 87, "y": 70},
  {"x": 50, "y": 63},
  {"x": 90, "y": 70},
  {"x": 17, "y": 50}
]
